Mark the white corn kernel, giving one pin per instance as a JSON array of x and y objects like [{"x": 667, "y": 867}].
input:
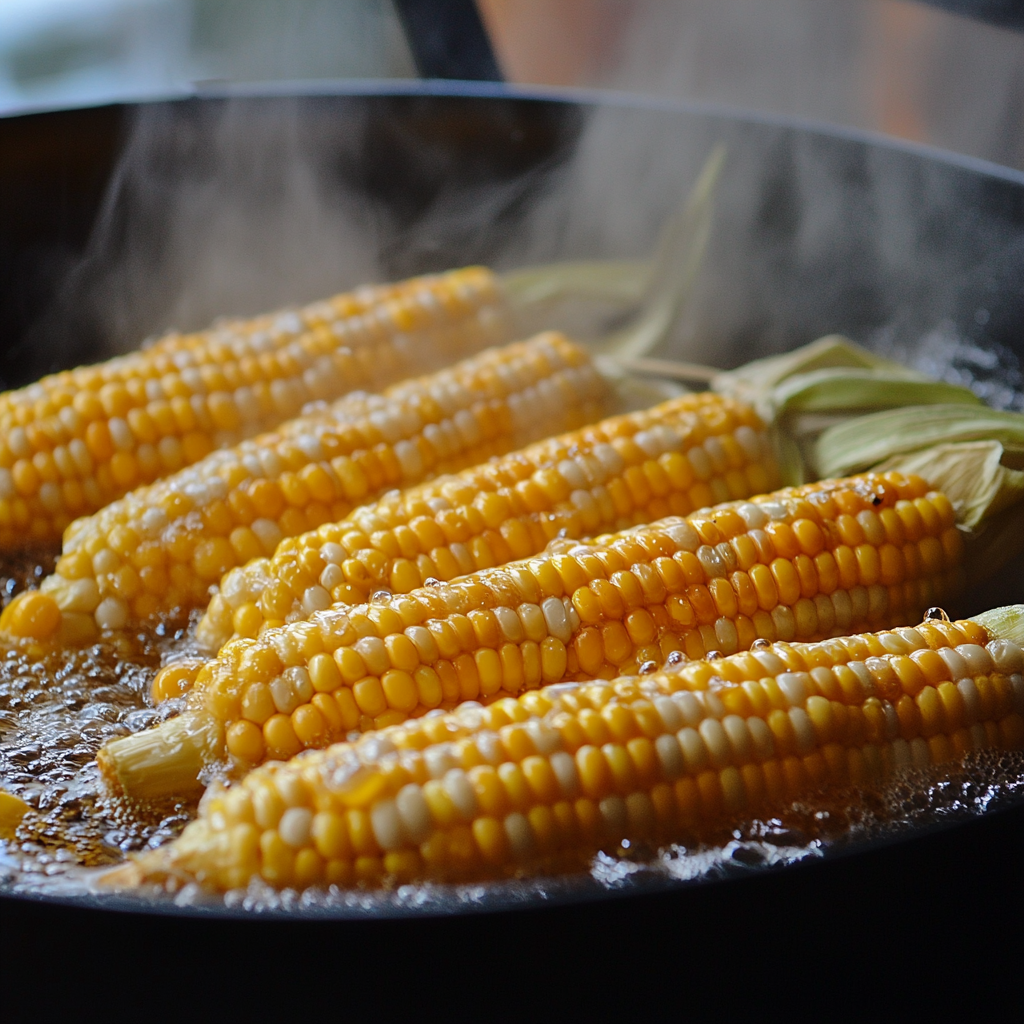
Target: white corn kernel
[
  {"x": 670, "y": 756},
  {"x": 460, "y": 792},
  {"x": 294, "y": 826},
  {"x": 386, "y": 824},
  {"x": 520, "y": 835},
  {"x": 556, "y": 619},
  {"x": 414, "y": 812},
  {"x": 564, "y": 767},
  {"x": 111, "y": 613}
]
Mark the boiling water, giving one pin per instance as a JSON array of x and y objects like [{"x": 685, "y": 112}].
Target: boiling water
[{"x": 58, "y": 707}]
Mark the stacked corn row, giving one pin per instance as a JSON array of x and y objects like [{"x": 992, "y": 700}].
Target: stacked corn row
[
  {"x": 567, "y": 770},
  {"x": 75, "y": 441},
  {"x": 684, "y": 454},
  {"x": 798, "y": 564},
  {"x": 160, "y": 547}
]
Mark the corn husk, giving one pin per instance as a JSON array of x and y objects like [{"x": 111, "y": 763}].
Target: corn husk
[
  {"x": 868, "y": 441},
  {"x": 804, "y": 393},
  {"x": 1007, "y": 623},
  {"x": 971, "y": 475},
  {"x": 756, "y": 382},
  {"x": 617, "y": 282},
  {"x": 657, "y": 288},
  {"x": 974, "y": 455}
]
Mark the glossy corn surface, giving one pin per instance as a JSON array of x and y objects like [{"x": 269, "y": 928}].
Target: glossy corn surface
[
  {"x": 75, "y": 441},
  {"x": 158, "y": 549},
  {"x": 680, "y": 455},
  {"x": 486, "y": 791},
  {"x": 796, "y": 564}
]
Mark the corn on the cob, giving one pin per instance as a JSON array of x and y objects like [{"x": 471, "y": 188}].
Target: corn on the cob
[
  {"x": 75, "y": 441},
  {"x": 803, "y": 563},
  {"x": 569, "y": 769},
  {"x": 684, "y": 454},
  {"x": 160, "y": 547}
]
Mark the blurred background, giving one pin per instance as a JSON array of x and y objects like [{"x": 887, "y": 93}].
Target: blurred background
[{"x": 901, "y": 67}]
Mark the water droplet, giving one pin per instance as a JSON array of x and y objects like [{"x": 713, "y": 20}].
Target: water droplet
[
  {"x": 936, "y": 615},
  {"x": 431, "y": 581},
  {"x": 648, "y": 667},
  {"x": 713, "y": 655},
  {"x": 563, "y": 533},
  {"x": 380, "y": 597},
  {"x": 760, "y": 644},
  {"x": 675, "y": 658}
]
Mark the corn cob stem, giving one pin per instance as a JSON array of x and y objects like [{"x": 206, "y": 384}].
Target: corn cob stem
[
  {"x": 684, "y": 454},
  {"x": 568, "y": 769},
  {"x": 158, "y": 550},
  {"x": 75, "y": 441},
  {"x": 799, "y": 564}
]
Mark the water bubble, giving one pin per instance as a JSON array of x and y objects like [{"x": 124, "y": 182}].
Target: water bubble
[
  {"x": 713, "y": 655},
  {"x": 936, "y": 615},
  {"x": 675, "y": 658},
  {"x": 760, "y": 644},
  {"x": 380, "y": 597}
]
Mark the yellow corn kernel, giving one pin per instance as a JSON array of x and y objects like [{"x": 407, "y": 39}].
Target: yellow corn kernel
[
  {"x": 636, "y": 774},
  {"x": 102, "y": 422}
]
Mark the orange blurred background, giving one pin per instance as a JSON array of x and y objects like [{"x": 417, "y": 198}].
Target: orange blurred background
[{"x": 894, "y": 66}]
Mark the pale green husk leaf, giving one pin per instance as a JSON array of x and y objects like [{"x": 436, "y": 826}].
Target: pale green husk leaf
[
  {"x": 867, "y": 441},
  {"x": 657, "y": 288},
  {"x": 619, "y": 282},
  {"x": 803, "y": 393},
  {"x": 848, "y": 389},
  {"x": 756, "y": 382}
]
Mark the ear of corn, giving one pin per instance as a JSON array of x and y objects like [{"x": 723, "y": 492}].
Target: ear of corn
[
  {"x": 159, "y": 549},
  {"x": 800, "y": 564},
  {"x": 75, "y": 441},
  {"x": 684, "y": 454},
  {"x": 570, "y": 769}
]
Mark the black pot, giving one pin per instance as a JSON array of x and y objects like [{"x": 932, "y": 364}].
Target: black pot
[{"x": 120, "y": 221}]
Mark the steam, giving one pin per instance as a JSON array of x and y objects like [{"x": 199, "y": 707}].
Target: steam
[
  {"x": 216, "y": 210},
  {"x": 235, "y": 207}
]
